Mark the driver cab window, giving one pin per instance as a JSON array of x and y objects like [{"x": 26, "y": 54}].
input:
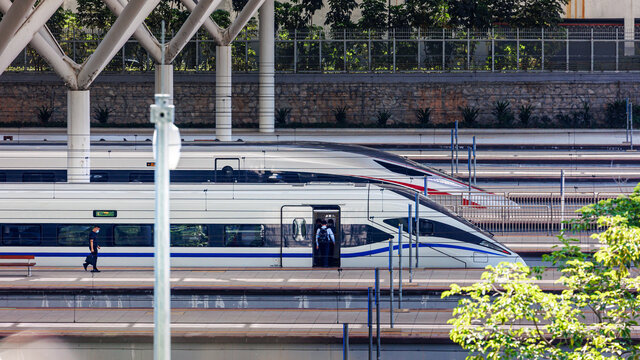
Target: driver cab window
[{"x": 426, "y": 226}]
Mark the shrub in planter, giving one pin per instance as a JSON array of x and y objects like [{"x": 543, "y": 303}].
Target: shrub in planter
[
  {"x": 469, "y": 116},
  {"x": 340, "y": 114},
  {"x": 502, "y": 112},
  {"x": 564, "y": 120},
  {"x": 616, "y": 113},
  {"x": 45, "y": 113},
  {"x": 382, "y": 117},
  {"x": 544, "y": 121},
  {"x": 282, "y": 115},
  {"x": 583, "y": 117},
  {"x": 424, "y": 116},
  {"x": 526, "y": 115},
  {"x": 102, "y": 114}
]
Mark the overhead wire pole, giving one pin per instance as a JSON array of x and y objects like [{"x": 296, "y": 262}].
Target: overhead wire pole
[{"x": 162, "y": 115}]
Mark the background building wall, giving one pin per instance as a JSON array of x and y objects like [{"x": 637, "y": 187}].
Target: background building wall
[{"x": 313, "y": 98}]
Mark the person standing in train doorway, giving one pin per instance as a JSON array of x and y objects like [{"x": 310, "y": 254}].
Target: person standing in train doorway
[
  {"x": 324, "y": 236},
  {"x": 93, "y": 247}
]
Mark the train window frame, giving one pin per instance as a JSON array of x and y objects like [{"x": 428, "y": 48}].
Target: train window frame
[
  {"x": 38, "y": 176},
  {"x": 375, "y": 235},
  {"x": 399, "y": 169},
  {"x": 241, "y": 228},
  {"x": 427, "y": 227},
  {"x": 81, "y": 241},
  {"x": 39, "y": 232},
  {"x": 204, "y": 241},
  {"x": 117, "y": 227}
]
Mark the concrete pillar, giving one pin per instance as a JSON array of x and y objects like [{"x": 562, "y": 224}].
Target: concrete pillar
[
  {"x": 223, "y": 93},
  {"x": 629, "y": 29},
  {"x": 164, "y": 80},
  {"x": 78, "y": 136},
  {"x": 267, "y": 68}
]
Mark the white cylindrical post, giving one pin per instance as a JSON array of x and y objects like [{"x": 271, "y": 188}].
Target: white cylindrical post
[
  {"x": 78, "y": 136},
  {"x": 629, "y": 29},
  {"x": 162, "y": 115},
  {"x": 223, "y": 93},
  {"x": 267, "y": 68},
  {"x": 164, "y": 80}
]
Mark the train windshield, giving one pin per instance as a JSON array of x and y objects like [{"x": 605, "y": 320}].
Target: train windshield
[{"x": 424, "y": 201}]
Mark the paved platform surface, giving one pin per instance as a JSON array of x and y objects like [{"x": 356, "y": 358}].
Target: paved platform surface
[
  {"x": 302, "y": 322},
  {"x": 247, "y": 279}
]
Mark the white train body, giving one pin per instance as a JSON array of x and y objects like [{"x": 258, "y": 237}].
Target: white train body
[
  {"x": 299, "y": 162},
  {"x": 237, "y": 225}
]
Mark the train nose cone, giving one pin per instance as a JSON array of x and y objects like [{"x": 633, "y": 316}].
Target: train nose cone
[{"x": 519, "y": 260}]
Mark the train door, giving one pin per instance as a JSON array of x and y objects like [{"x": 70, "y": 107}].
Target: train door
[
  {"x": 226, "y": 169},
  {"x": 296, "y": 236},
  {"x": 330, "y": 214}
]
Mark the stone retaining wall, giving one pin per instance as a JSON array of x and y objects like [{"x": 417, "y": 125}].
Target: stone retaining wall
[{"x": 313, "y": 98}]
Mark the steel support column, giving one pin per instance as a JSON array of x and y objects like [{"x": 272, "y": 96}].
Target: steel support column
[
  {"x": 223, "y": 93},
  {"x": 267, "y": 67},
  {"x": 78, "y": 136}
]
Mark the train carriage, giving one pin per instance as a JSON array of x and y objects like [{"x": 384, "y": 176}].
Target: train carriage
[{"x": 238, "y": 225}]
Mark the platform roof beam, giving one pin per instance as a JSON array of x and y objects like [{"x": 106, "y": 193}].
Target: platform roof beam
[
  {"x": 125, "y": 25},
  {"x": 24, "y": 26},
  {"x": 16, "y": 16}
]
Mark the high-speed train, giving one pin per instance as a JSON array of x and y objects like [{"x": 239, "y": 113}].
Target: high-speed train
[
  {"x": 238, "y": 225},
  {"x": 266, "y": 162}
]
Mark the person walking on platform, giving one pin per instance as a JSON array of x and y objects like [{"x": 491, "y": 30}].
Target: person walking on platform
[
  {"x": 93, "y": 247},
  {"x": 324, "y": 236}
]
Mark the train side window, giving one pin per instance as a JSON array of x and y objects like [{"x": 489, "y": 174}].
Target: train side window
[
  {"x": 244, "y": 235},
  {"x": 3, "y": 177},
  {"x": 183, "y": 235},
  {"x": 426, "y": 227},
  {"x": 21, "y": 235},
  {"x": 133, "y": 235},
  {"x": 99, "y": 176},
  {"x": 374, "y": 235},
  {"x": 73, "y": 235},
  {"x": 30, "y": 176},
  {"x": 146, "y": 176}
]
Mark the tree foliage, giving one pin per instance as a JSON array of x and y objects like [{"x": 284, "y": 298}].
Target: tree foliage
[
  {"x": 508, "y": 316},
  {"x": 374, "y": 14},
  {"x": 339, "y": 15},
  {"x": 94, "y": 15}
]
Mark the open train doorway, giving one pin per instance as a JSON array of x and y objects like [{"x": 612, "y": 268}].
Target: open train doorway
[{"x": 330, "y": 215}]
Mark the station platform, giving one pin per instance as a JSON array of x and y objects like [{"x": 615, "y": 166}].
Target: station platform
[
  {"x": 245, "y": 279},
  {"x": 232, "y": 305}
]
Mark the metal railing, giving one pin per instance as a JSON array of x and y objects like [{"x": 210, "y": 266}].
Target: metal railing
[
  {"x": 523, "y": 212},
  {"x": 576, "y": 48}
]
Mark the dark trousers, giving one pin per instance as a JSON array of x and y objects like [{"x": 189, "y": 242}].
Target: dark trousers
[
  {"x": 92, "y": 259},
  {"x": 324, "y": 254}
]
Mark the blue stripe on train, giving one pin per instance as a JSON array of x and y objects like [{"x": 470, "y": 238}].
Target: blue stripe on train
[{"x": 249, "y": 255}]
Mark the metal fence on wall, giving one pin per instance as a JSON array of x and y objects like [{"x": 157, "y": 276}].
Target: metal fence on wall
[
  {"x": 526, "y": 212},
  {"x": 576, "y": 48}
]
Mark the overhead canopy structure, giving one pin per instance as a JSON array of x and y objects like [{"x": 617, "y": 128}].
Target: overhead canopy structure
[{"x": 24, "y": 24}]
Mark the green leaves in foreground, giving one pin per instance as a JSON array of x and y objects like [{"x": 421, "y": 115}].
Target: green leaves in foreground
[{"x": 508, "y": 316}]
